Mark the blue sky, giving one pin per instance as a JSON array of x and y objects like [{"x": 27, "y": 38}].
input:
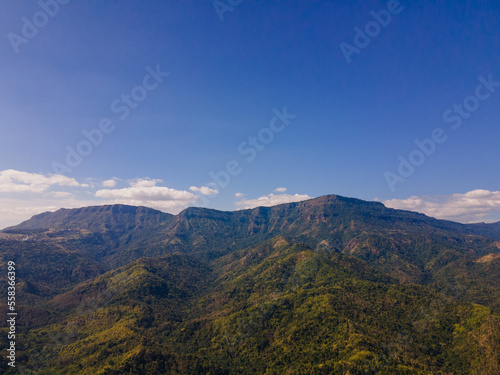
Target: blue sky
[{"x": 296, "y": 99}]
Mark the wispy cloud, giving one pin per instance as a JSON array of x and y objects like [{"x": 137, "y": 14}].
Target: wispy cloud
[
  {"x": 280, "y": 190},
  {"x": 473, "y": 206},
  {"x": 59, "y": 194},
  {"x": 204, "y": 190},
  {"x": 271, "y": 200}
]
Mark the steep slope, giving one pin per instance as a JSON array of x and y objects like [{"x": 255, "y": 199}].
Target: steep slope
[
  {"x": 111, "y": 319},
  {"x": 409, "y": 246},
  {"x": 44, "y": 269},
  {"x": 278, "y": 307},
  {"x": 306, "y": 311}
]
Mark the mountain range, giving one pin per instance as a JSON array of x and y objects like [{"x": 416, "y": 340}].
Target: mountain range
[{"x": 331, "y": 285}]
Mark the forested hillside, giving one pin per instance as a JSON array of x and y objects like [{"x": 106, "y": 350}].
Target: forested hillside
[{"x": 332, "y": 285}]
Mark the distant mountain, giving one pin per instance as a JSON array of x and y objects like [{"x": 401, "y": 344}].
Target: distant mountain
[
  {"x": 408, "y": 245},
  {"x": 328, "y": 285},
  {"x": 116, "y": 218},
  {"x": 491, "y": 230}
]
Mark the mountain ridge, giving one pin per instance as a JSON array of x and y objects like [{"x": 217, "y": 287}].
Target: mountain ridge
[
  {"x": 411, "y": 247},
  {"x": 45, "y": 219},
  {"x": 334, "y": 279}
]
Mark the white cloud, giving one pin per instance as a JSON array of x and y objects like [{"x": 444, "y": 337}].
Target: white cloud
[
  {"x": 109, "y": 183},
  {"x": 59, "y": 194},
  {"x": 271, "y": 200},
  {"x": 12, "y": 181},
  {"x": 145, "y": 182},
  {"x": 239, "y": 195},
  {"x": 90, "y": 182},
  {"x": 204, "y": 190},
  {"x": 280, "y": 190},
  {"x": 473, "y": 206},
  {"x": 145, "y": 192}
]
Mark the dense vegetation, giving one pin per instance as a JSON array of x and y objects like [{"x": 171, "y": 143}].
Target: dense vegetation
[{"x": 327, "y": 286}]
